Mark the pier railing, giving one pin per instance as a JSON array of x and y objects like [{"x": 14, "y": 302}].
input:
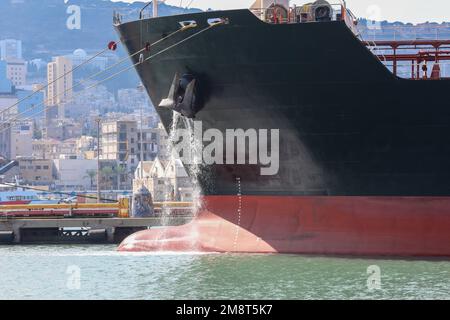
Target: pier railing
[{"x": 119, "y": 209}]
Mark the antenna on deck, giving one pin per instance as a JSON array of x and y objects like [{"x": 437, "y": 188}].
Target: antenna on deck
[{"x": 155, "y": 9}]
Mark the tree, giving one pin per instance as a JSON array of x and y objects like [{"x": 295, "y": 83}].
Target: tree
[
  {"x": 90, "y": 174},
  {"x": 107, "y": 174},
  {"x": 119, "y": 171},
  {"x": 37, "y": 132}
]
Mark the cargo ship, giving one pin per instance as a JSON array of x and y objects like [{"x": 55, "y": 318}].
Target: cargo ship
[{"x": 364, "y": 153}]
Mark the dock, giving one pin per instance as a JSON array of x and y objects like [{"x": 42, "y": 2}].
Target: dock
[
  {"x": 81, "y": 223},
  {"x": 78, "y": 230}
]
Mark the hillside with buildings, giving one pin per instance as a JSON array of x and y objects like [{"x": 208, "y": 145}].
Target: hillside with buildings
[
  {"x": 77, "y": 29},
  {"x": 56, "y": 135}
]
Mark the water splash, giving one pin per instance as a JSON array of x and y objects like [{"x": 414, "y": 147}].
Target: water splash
[
  {"x": 194, "y": 169},
  {"x": 168, "y": 192},
  {"x": 196, "y": 164}
]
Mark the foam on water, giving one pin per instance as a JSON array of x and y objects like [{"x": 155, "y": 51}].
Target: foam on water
[
  {"x": 180, "y": 122},
  {"x": 94, "y": 253}
]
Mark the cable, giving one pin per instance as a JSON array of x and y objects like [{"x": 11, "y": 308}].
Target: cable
[
  {"x": 126, "y": 69},
  {"x": 189, "y": 4},
  {"x": 56, "y": 192},
  {"x": 59, "y": 78},
  {"x": 85, "y": 89},
  {"x": 110, "y": 77},
  {"x": 17, "y": 117}
]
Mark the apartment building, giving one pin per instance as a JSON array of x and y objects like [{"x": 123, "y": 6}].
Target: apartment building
[
  {"x": 62, "y": 129},
  {"x": 59, "y": 91},
  {"x": 121, "y": 141},
  {"x": 36, "y": 171},
  {"x": 16, "y": 140},
  {"x": 16, "y": 71}
]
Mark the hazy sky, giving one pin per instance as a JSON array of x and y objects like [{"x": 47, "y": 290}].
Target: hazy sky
[{"x": 392, "y": 10}]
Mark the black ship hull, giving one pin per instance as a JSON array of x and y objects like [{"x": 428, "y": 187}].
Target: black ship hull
[
  {"x": 347, "y": 125},
  {"x": 364, "y": 155}
]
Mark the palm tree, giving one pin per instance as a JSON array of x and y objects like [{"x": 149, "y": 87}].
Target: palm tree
[
  {"x": 119, "y": 171},
  {"x": 37, "y": 133},
  {"x": 107, "y": 173},
  {"x": 90, "y": 174}
]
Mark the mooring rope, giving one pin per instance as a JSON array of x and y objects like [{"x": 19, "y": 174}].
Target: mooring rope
[
  {"x": 119, "y": 72},
  {"x": 72, "y": 194},
  {"x": 59, "y": 78},
  {"x": 18, "y": 116}
]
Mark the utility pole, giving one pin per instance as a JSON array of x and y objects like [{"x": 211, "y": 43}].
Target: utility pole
[
  {"x": 98, "y": 120},
  {"x": 142, "y": 89},
  {"x": 155, "y": 8},
  {"x": 142, "y": 149}
]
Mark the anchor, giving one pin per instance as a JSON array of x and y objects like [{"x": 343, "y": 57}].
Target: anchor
[{"x": 182, "y": 96}]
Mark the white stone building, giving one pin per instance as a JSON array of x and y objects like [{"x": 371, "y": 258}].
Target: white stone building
[
  {"x": 167, "y": 180},
  {"x": 73, "y": 173}
]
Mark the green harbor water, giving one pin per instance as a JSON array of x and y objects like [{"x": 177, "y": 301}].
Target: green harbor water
[{"x": 99, "y": 272}]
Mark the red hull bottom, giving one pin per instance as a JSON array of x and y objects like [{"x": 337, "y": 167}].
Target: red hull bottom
[{"x": 374, "y": 226}]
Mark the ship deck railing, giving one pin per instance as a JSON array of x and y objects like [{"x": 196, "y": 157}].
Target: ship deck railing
[
  {"x": 414, "y": 59},
  {"x": 378, "y": 31}
]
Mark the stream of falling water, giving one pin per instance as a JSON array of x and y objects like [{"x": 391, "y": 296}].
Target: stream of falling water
[{"x": 194, "y": 170}]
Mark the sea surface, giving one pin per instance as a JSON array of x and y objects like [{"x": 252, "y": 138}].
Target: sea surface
[{"x": 99, "y": 272}]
